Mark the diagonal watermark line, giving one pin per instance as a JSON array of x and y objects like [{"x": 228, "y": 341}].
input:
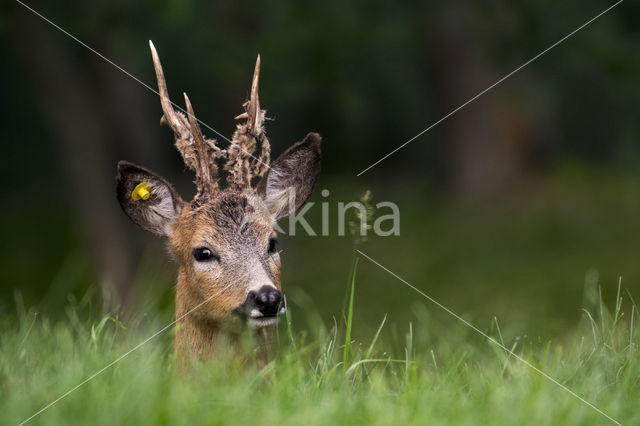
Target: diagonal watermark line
[
  {"x": 114, "y": 64},
  {"x": 490, "y": 87},
  {"x": 121, "y": 357},
  {"x": 490, "y": 339},
  {"x": 68, "y": 34}
]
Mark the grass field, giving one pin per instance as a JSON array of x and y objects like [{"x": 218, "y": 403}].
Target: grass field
[{"x": 328, "y": 378}]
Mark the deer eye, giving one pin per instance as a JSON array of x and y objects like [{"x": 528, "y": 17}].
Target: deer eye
[
  {"x": 203, "y": 254},
  {"x": 273, "y": 243}
]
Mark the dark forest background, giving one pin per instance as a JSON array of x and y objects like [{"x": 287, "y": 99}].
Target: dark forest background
[{"x": 519, "y": 204}]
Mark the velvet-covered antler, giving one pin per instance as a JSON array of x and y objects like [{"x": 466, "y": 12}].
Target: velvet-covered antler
[
  {"x": 199, "y": 154},
  {"x": 243, "y": 167}
]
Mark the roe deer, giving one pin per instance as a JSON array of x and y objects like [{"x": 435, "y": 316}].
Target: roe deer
[{"x": 224, "y": 239}]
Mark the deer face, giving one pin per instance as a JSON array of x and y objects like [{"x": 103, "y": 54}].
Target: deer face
[
  {"x": 225, "y": 243},
  {"x": 224, "y": 240},
  {"x": 228, "y": 254}
]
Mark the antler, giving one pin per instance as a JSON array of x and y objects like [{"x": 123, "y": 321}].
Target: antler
[
  {"x": 199, "y": 154},
  {"x": 242, "y": 165}
]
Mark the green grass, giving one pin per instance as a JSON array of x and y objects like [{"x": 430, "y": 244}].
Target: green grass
[{"x": 444, "y": 373}]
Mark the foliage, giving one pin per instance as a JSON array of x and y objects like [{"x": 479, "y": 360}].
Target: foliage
[{"x": 441, "y": 378}]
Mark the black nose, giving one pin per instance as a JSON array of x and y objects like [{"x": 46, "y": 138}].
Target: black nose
[{"x": 268, "y": 300}]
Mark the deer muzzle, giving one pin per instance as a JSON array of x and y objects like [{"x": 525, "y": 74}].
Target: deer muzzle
[{"x": 262, "y": 307}]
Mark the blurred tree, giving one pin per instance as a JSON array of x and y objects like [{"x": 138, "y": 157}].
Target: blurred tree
[
  {"x": 77, "y": 126},
  {"x": 368, "y": 75},
  {"x": 482, "y": 158}
]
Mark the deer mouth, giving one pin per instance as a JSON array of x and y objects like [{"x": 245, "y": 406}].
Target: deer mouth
[
  {"x": 262, "y": 308},
  {"x": 256, "y": 319}
]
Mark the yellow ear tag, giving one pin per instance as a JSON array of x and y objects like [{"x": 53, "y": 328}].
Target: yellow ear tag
[{"x": 142, "y": 191}]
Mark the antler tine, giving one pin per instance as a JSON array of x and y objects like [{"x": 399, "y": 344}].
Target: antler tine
[
  {"x": 252, "y": 107},
  {"x": 253, "y": 110},
  {"x": 170, "y": 115},
  {"x": 256, "y": 117},
  {"x": 204, "y": 179}
]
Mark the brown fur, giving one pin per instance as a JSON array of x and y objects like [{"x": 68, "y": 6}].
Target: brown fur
[{"x": 221, "y": 225}]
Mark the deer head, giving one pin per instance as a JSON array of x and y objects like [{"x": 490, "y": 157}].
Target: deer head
[{"x": 224, "y": 239}]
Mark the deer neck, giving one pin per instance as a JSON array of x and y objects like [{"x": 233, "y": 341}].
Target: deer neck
[{"x": 194, "y": 334}]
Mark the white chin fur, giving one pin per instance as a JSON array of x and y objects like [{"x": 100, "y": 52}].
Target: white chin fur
[{"x": 262, "y": 322}]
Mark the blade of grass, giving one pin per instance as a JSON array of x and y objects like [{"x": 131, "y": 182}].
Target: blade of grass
[
  {"x": 367, "y": 361},
  {"x": 287, "y": 316},
  {"x": 593, "y": 324},
  {"x": 408, "y": 350},
  {"x": 495, "y": 320},
  {"x": 373, "y": 343},
  {"x": 433, "y": 357},
  {"x": 347, "y": 338},
  {"x": 506, "y": 361},
  {"x": 375, "y": 338}
]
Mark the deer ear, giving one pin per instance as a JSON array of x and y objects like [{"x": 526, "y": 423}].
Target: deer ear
[
  {"x": 148, "y": 200},
  {"x": 290, "y": 179}
]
